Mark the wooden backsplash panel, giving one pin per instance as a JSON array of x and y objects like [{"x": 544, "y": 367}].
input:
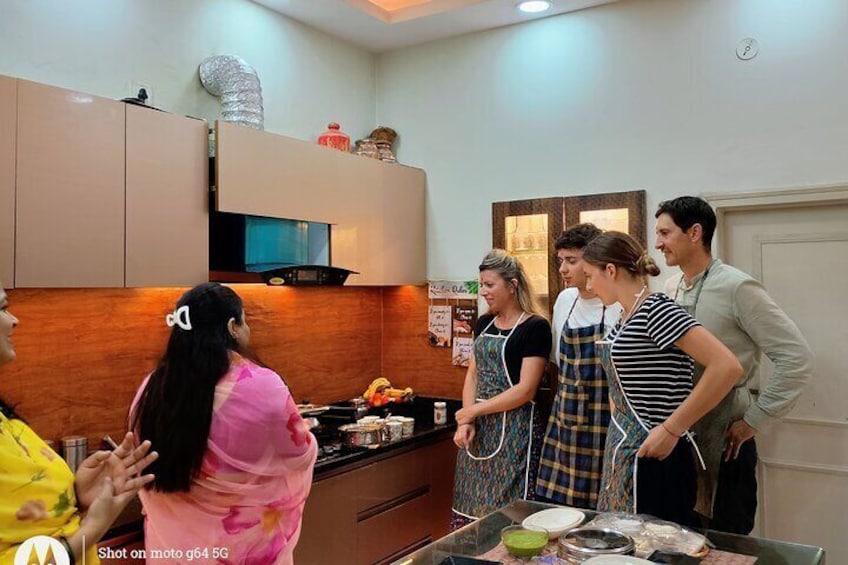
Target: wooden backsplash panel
[
  {"x": 83, "y": 352},
  {"x": 408, "y": 358}
]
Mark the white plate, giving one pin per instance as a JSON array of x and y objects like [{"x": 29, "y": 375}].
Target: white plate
[
  {"x": 555, "y": 520},
  {"x": 617, "y": 560}
]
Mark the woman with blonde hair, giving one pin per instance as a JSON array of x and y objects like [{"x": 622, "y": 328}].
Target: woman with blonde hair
[
  {"x": 498, "y": 429},
  {"x": 648, "y": 360}
]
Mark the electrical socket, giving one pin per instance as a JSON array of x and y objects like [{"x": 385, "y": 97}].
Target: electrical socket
[{"x": 137, "y": 85}]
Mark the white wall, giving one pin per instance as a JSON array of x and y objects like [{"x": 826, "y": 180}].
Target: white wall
[
  {"x": 641, "y": 94},
  {"x": 100, "y": 46}
]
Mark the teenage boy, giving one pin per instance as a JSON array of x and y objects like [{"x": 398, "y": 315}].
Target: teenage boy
[{"x": 573, "y": 448}]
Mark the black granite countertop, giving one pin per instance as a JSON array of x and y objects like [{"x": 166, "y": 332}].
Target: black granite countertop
[{"x": 422, "y": 436}]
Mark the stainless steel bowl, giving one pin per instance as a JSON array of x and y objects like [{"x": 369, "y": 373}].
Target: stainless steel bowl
[{"x": 580, "y": 544}]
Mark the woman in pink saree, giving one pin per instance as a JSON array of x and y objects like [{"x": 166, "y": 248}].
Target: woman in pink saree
[{"x": 235, "y": 458}]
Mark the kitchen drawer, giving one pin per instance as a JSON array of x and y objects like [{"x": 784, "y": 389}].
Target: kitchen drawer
[
  {"x": 382, "y": 482},
  {"x": 404, "y": 526}
]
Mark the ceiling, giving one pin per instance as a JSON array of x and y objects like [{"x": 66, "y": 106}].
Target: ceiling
[{"x": 383, "y": 25}]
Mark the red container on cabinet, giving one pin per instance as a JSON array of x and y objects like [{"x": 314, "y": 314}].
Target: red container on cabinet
[{"x": 335, "y": 138}]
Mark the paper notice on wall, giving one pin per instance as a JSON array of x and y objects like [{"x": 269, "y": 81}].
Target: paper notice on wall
[
  {"x": 439, "y": 321},
  {"x": 462, "y": 350},
  {"x": 464, "y": 320},
  {"x": 463, "y": 290}
]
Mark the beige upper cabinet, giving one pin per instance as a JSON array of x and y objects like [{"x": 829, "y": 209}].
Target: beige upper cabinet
[
  {"x": 8, "y": 121},
  {"x": 70, "y": 189},
  {"x": 167, "y": 192},
  {"x": 376, "y": 209}
]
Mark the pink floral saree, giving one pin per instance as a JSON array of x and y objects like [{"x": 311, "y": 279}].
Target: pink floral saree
[{"x": 245, "y": 506}]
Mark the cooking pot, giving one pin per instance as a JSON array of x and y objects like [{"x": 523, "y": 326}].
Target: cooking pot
[{"x": 363, "y": 434}]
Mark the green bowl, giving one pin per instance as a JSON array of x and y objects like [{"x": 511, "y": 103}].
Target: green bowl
[{"x": 524, "y": 541}]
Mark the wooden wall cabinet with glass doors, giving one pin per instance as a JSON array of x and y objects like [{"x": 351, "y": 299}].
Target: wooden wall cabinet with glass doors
[{"x": 529, "y": 229}]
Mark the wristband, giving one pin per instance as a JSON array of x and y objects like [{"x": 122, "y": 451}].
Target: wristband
[
  {"x": 67, "y": 545},
  {"x": 670, "y": 432}
]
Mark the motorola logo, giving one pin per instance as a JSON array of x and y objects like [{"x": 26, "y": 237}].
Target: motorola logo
[{"x": 42, "y": 550}]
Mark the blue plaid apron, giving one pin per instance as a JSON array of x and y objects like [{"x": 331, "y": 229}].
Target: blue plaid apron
[{"x": 573, "y": 449}]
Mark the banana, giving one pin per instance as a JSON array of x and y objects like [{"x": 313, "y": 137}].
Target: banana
[
  {"x": 398, "y": 392},
  {"x": 377, "y": 385}
]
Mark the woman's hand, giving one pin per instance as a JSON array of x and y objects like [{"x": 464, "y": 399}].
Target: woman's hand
[
  {"x": 658, "y": 445},
  {"x": 122, "y": 466},
  {"x": 467, "y": 415},
  {"x": 464, "y": 435}
]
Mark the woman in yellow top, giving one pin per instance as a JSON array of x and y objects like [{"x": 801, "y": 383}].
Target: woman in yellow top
[{"x": 40, "y": 496}]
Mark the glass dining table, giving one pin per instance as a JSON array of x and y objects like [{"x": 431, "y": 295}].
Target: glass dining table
[{"x": 482, "y": 536}]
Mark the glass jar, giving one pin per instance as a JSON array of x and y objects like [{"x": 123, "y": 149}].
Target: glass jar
[
  {"x": 366, "y": 148},
  {"x": 335, "y": 138},
  {"x": 440, "y": 413},
  {"x": 384, "y": 151}
]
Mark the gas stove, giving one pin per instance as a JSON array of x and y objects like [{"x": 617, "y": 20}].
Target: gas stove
[{"x": 334, "y": 451}]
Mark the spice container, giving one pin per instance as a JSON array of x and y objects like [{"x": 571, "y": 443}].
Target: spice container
[
  {"x": 408, "y": 426},
  {"x": 395, "y": 429},
  {"x": 440, "y": 413}
]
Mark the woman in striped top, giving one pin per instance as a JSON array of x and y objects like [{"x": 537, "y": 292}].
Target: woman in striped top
[{"x": 648, "y": 359}]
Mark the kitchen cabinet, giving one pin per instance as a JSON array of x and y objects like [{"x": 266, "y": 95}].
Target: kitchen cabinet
[
  {"x": 94, "y": 192},
  {"x": 167, "y": 199},
  {"x": 529, "y": 229},
  {"x": 376, "y": 513},
  {"x": 69, "y": 229},
  {"x": 376, "y": 209},
  {"x": 8, "y": 125}
]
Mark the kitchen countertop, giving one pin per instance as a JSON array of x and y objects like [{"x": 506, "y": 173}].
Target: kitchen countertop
[
  {"x": 423, "y": 435},
  {"x": 483, "y": 535}
]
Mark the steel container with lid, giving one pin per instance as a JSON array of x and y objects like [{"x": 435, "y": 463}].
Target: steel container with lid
[{"x": 580, "y": 544}]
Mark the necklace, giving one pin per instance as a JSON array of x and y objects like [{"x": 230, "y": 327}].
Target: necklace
[{"x": 640, "y": 297}]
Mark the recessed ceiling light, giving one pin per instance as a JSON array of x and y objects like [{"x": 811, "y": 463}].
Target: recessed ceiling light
[{"x": 534, "y": 6}]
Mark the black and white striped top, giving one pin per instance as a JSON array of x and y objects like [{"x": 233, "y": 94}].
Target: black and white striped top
[{"x": 655, "y": 375}]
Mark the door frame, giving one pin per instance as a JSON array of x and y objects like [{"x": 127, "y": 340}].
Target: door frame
[{"x": 817, "y": 195}]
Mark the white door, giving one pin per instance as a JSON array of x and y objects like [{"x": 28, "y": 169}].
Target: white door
[{"x": 800, "y": 253}]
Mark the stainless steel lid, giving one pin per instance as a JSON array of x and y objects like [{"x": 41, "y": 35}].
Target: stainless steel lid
[{"x": 588, "y": 542}]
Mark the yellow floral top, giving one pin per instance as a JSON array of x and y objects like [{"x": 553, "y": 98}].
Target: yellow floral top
[{"x": 36, "y": 491}]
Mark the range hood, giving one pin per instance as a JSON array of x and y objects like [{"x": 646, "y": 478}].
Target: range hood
[
  {"x": 306, "y": 275},
  {"x": 275, "y": 251}
]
